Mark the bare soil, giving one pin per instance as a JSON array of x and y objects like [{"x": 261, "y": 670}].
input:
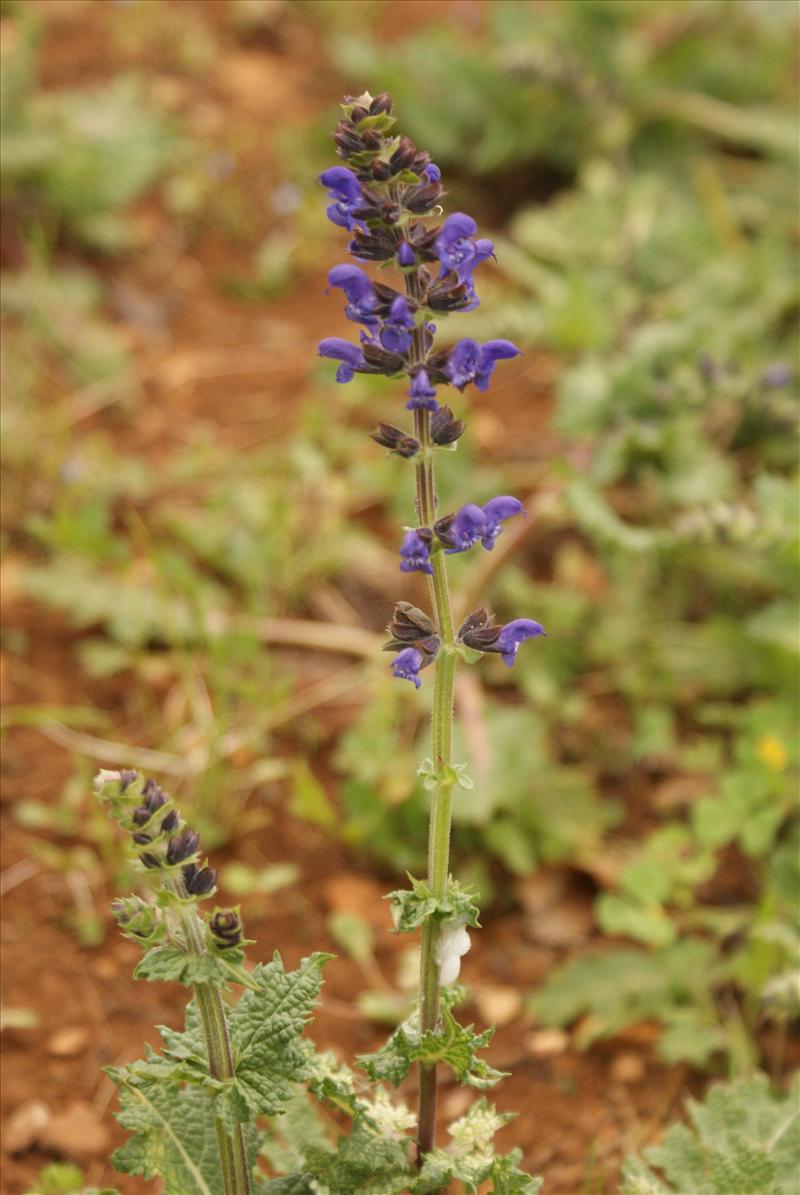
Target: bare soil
[{"x": 244, "y": 368}]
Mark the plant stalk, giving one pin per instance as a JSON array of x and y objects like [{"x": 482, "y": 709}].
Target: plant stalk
[
  {"x": 441, "y": 736},
  {"x": 232, "y": 1152}
]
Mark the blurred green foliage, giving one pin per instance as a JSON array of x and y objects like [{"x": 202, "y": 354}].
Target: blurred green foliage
[
  {"x": 659, "y": 278},
  {"x": 74, "y": 161},
  {"x": 551, "y": 86},
  {"x": 742, "y": 1137}
]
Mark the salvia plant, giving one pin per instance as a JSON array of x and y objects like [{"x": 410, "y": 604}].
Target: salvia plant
[{"x": 196, "y": 1110}]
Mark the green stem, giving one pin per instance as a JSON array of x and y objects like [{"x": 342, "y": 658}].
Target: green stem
[
  {"x": 232, "y": 1152},
  {"x": 441, "y": 735}
]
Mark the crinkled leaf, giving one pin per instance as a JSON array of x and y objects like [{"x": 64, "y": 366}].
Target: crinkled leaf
[
  {"x": 366, "y": 1162},
  {"x": 742, "y": 1138},
  {"x": 470, "y": 1159},
  {"x": 412, "y": 907},
  {"x": 170, "y": 963},
  {"x": 266, "y": 1027},
  {"x": 454, "y": 1044},
  {"x": 173, "y": 1135}
]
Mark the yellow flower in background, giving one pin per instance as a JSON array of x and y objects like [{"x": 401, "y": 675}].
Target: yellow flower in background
[{"x": 771, "y": 752}]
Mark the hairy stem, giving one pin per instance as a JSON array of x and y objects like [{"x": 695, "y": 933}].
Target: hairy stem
[
  {"x": 441, "y": 735},
  {"x": 233, "y": 1156}
]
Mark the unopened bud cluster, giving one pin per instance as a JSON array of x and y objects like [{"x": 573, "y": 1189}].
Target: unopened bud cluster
[
  {"x": 161, "y": 841},
  {"x": 168, "y": 852}
]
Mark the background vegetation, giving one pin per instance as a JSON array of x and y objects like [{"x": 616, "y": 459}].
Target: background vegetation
[{"x": 198, "y": 549}]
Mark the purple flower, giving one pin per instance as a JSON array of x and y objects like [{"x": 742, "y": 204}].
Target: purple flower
[
  {"x": 432, "y": 173},
  {"x": 422, "y": 393},
  {"x": 345, "y": 190},
  {"x": 472, "y": 362},
  {"x": 406, "y": 665},
  {"x": 349, "y": 354},
  {"x": 406, "y": 255},
  {"x": 396, "y": 330},
  {"x": 361, "y": 298},
  {"x": 463, "y": 363},
  {"x": 514, "y": 633},
  {"x": 495, "y": 510},
  {"x": 458, "y": 252},
  {"x": 460, "y": 531},
  {"x": 415, "y": 552}
]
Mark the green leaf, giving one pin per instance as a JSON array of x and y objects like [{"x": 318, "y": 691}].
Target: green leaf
[
  {"x": 366, "y": 1162},
  {"x": 623, "y": 915},
  {"x": 266, "y": 1026},
  {"x": 170, "y": 963},
  {"x": 623, "y": 987},
  {"x": 453, "y": 1044},
  {"x": 470, "y": 1159},
  {"x": 411, "y": 909},
  {"x": 309, "y": 799},
  {"x": 742, "y": 1138},
  {"x": 174, "y": 1135}
]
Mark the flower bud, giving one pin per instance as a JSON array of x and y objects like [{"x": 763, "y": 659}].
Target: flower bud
[
  {"x": 409, "y": 623},
  {"x": 395, "y": 440},
  {"x": 138, "y": 919},
  {"x": 421, "y": 199},
  {"x": 373, "y": 245},
  {"x": 198, "y": 881},
  {"x": 182, "y": 846},
  {"x": 226, "y": 928},
  {"x": 381, "y": 103},
  {"x": 380, "y": 171},
  {"x": 170, "y": 822},
  {"x": 444, "y": 428},
  {"x": 478, "y": 630},
  {"x": 403, "y": 156}
]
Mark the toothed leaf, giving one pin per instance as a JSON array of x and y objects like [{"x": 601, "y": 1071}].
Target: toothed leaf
[
  {"x": 412, "y": 907},
  {"x": 173, "y": 1135},
  {"x": 266, "y": 1027},
  {"x": 742, "y": 1138},
  {"x": 453, "y": 1044}
]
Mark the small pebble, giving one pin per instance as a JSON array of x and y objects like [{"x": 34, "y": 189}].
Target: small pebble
[
  {"x": 24, "y": 1125},
  {"x": 75, "y": 1133},
  {"x": 497, "y": 1004},
  {"x": 545, "y": 1042},
  {"x": 627, "y": 1068},
  {"x": 68, "y": 1042}
]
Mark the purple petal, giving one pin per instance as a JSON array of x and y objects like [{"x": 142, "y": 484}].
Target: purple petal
[
  {"x": 502, "y": 507},
  {"x": 352, "y": 280},
  {"x": 342, "y": 181},
  {"x": 457, "y": 226},
  {"x": 406, "y": 255},
  {"x": 396, "y": 340},
  {"x": 462, "y": 363},
  {"x": 467, "y": 528},
  {"x": 339, "y": 216},
  {"x": 340, "y": 350},
  {"x": 514, "y": 633},
  {"x": 497, "y": 350},
  {"x": 406, "y": 665}
]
